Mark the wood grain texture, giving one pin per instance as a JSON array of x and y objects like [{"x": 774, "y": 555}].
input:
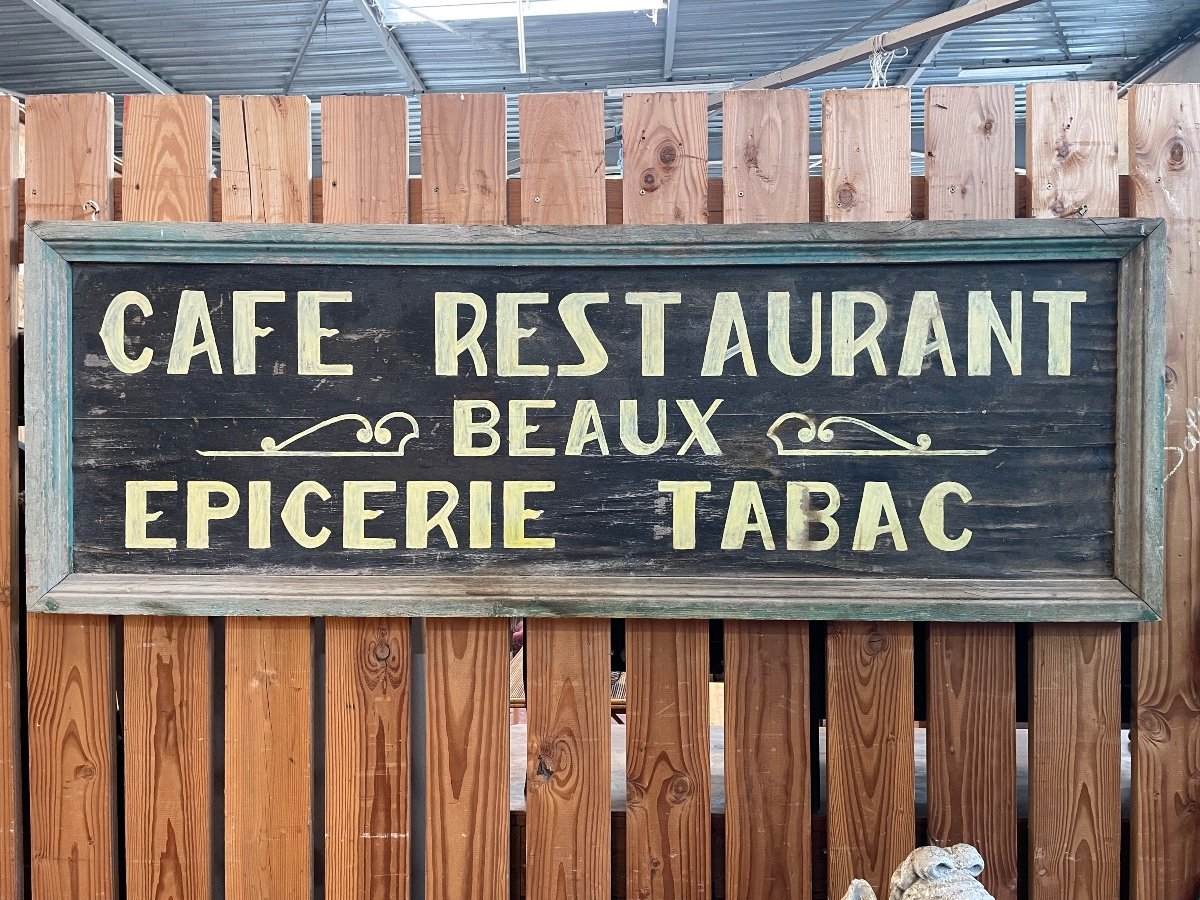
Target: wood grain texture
[
  {"x": 266, "y": 167},
  {"x": 1074, "y": 720},
  {"x": 970, "y": 147},
  {"x": 364, "y": 160},
  {"x": 167, "y": 665},
  {"x": 268, "y": 759},
  {"x": 768, "y": 807},
  {"x": 1164, "y": 140},
  {"x": 969, "y": 159},
  {"x": 568, "y": 838},
  {"x": 367, "y": 680},
  {"x": 466, "y": 759},
  {"x": 367, "y": 706},
  {"x": 665, "y": 158},
  {"x": 766, "y": 166},
  {"x": 1074, "y": 762},
  {"x": 466, "y": 737},
  {"x": 668, "y": 825},
  {"x": 768, "y": 824},
  {"x": 69, "y": 151},
  {"x": 1071, "y": 149},
  {"x": 12, "y": 875},
  {"x": 869, "y": 667},
  {"x": 864, "y": 144},
  {"x": 266, "y": 159},
  {"x": 568, "y": 847},
  {"x": 463, "y": 159},
  {"x": 869, "y": 739},
  {"x": 562, "y": 159},
  {"x": 167, "y": 147}
]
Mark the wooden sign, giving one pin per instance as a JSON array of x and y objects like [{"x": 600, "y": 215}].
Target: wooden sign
[{"x": 924, "y": 420}]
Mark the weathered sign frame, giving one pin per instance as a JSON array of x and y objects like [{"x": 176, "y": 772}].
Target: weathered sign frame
[{"x": 1135, "y": 593}]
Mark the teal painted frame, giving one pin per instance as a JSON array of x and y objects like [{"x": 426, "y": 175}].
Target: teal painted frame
[{"x": 1134, "y": 593}]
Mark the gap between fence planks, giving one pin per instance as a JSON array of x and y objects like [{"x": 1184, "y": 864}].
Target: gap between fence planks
[
  {"x": 267, "y": 167},
  {"x": 768, "y": 808},
  {"x": 1075, "y": 702},
  {"x": 72, "y": 811},
  {"x": 167, "y": 661},
  {"x": 1164, "y": 142},
  {"x": 12, "y": 855},
  {"x": 463, "y": 154},
  {"x": 669, "y": 853},
  {"x": 568, "y": 849},
  {"x": 869, "y": 666},
  {"x": 367, "y": 694},
  {"x": 972, "y": 693}
]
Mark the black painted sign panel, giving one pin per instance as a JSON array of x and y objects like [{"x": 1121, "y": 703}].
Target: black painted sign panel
[{"x": 939, "y": 419}]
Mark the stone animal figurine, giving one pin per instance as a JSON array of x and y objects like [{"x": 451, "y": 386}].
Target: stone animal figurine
[{"x": 931, "y": 873}]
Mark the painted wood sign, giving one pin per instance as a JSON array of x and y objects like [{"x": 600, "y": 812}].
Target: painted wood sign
[{"x": 911, "y": 421}]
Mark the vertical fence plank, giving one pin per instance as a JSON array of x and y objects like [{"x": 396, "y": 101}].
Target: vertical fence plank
[
  {"x": 266, "y": 165},
  {"x": 463, "y": 182},
  {"x": 668, "y": 813},
  {"x": 364, "y": 142},
  {"x": 1164, "y": 123},
  {"x": 568, "y": 841},
  {"x": 768, "y": 825},
  {"x": 69, "y": 153},
  {"x": 972, "y": 694},
  {"x": 11, "y": 851},
  {"x": 168, "y": 668},
  {"x": 869, "y": 677},
  {"x": 1075, "y": 669}
]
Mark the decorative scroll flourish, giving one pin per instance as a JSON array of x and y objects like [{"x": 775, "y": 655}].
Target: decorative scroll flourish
[
  {"x": 368, "y": 432},
  {"x": 810, "y": 431}
]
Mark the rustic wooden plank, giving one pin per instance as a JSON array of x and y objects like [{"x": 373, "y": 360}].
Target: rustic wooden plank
[
  {"x": 367, "y": 686},
  {"x": 364, "y": 160},
  {"x": 665, "y": 159},
  {"x": 69, "y": 150},
  {"x": 668, "y": 851},
  {"x": 463, "y": 159},
  {"x": 765, "y": 176},
  {"x": 568, "y": 839},
  {"x": 972, "y": 765},
  {"x": 12, "y": 874},
  {"x": 768, "y": 815},
  {"x": 167, "y": 664},
  {"x": 266, "y": 166},
  {"x": 1164, "y": 141},
  {"x": 768, "y": 807},
  {"x": 466, "y": 738},
  {"x": 869, "y": 670},
  {"x": 268, "y": 759},
  {"x": 266, "y": 159},
  {"x": 864, "y": 145},
  {"x": 367, "y": 691},
  {"x": 1074, "y": 727}
]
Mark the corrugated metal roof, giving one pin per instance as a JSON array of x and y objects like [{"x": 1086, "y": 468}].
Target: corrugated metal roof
[{"x": 237, "y": 46}]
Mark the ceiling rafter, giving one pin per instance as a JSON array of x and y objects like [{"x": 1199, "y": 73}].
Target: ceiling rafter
[{"x": 391, "y": 45}]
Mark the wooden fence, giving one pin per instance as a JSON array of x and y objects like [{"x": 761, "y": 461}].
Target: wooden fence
[{"x": 270, "y": 758}]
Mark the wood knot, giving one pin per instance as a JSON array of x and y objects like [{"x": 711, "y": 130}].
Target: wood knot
[
  {"x": 988, "y": 127},
  {"x": 679, "y": 790},
  {"x": 1176, "y": 155},
  {"x": 846, "y": 195},
  {"x": 668, "y": 154},
  {"x": 87, "y": 773},
  {"x": 655, "y": 863},
  {"x": 1153, "y": 726},
  {"x": 1063, "y": 149},
  {"x": 649, "y": 181},
  {"x": 382, "y": 649},
  {"x": 544, "y": 771},
  {"x": 1171, "y": 377},
  {"x": 876, "y": 642}
]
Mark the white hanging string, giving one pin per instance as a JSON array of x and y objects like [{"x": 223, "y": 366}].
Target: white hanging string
[{"x": 880, "y": 61}]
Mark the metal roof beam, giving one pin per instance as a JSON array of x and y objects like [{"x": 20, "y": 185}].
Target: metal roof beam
[
  {"x": 923, "y": 58},
  {"x": 308, "y": 36},
  {"x": 1161, "y": 57},
  {"x": 669, "y": 43},
  {"x": 889, "y": 40},
  {"x": 391, "y": 45},
  {"x": 100, "y": 45}
]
